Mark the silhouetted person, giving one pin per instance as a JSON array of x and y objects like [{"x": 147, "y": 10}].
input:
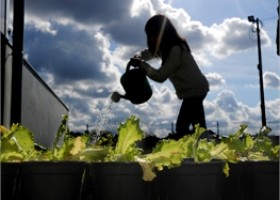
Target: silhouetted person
[{"x": 179, "y": 66}]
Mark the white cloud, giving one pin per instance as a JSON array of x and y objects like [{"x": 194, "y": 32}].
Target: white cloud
[
  {"x": 41, "y": 25},
  {"x": 216, "y": 81},
  {"x": 230, "y": 113},
  {"x": 232, "y": 35},
  {"x": 141, "y": 6},
  {"x": 273, "y": 115},
  {"x": 271, "y": 79}
]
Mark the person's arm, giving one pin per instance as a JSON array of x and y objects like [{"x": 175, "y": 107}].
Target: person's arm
[{"x": 171, "y": 63}]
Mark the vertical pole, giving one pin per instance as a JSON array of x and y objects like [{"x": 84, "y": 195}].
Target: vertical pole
[
  {"x": 218, "y": 129},
  {"x": 172, "y": 127},
  {"x": 277, "y": 32},
  {"x": 261, "y": 75},
  {"x": 17, "y": 61},
  {"x": 3, "y": 43}
]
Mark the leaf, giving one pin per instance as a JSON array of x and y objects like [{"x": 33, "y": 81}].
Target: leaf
[
  {"x": 3, "y": 130},
  {"x": 8, "y": 145},
  {"x": 11, "y": 156},
  {"x": 167, "y": 153},
  {"x": 264, "y": 131},
  {"x": 24, "y": 138},
  {"x": 62, "y": 130},
  {"x": 226, "y": 169},
  {"x": 203, "y": 152},
  {"x": 147, "y": 168},
  {"x": 129, "y": 134},
  {"x": 78, "y": 145},
  {"x": 94, "y": 154}
]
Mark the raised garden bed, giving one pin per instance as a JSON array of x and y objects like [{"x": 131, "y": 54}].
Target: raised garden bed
[{"x": 252, "y": 181}]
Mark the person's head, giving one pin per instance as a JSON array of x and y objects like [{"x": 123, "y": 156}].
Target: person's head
[{"x": 162, "y": 35}]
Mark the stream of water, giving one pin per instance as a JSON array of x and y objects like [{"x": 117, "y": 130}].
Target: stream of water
[{"x": 102, "y": 122}]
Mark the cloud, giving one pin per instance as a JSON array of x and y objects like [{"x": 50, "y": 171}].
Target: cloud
[
  {"x": 215, "y": 80},
  {"x": 226, "y": 110},
  {"x": 271, "y": 80},
  {"x": 227, "y": 101},
  {"x": 232, "y": 35},
  {"x": 273, "y": 116},
  {"x": 82, "y": 11},
  {"x": 70, "y": 55}
]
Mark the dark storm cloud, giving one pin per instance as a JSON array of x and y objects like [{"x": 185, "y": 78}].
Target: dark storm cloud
[
  {"x": 112, "y": 16},
  {"x": 83, "y": 11},
  {"x": 70, "y": 55},
  {"x": 130, "y": 31},
  {"x": 77, "y": 104}
]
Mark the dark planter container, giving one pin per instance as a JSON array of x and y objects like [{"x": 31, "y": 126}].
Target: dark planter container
[
  {"x": 116, "y": 181},
  {"x": 51, "y": 180},
  {"x": 232, "y": 185},
  {"x": 252, "y": 181},
  {"x": 9, "y": 180},
  {"x": 191, "y": 181}
]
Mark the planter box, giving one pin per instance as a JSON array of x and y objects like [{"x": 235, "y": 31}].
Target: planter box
[
  {"x": 9, "y": 180},
  {"x": 191, "y": 181},
  {"x": 262, "y": 181},
  {"x": 232, "y": 185},
  {"x": 116, "y": 181},
  {"x": 51, "y": 180},
  {"x": 252, "y": 181}
]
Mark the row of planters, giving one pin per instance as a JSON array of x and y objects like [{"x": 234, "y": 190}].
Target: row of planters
[{"x": 240, "y": 166}]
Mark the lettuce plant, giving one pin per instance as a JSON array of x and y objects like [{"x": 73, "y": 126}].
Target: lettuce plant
[{"x": 17, "y": 144}]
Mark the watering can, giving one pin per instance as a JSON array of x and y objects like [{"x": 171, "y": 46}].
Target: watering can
[{"x": 136, "y": 86}]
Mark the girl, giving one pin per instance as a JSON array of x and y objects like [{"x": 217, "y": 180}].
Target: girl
[{"x": 179, "y": 66}]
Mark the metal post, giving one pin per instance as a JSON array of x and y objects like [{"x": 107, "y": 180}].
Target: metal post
[
  {"x": 261, "y": 75},
  {"x": 17, "y": 61}
]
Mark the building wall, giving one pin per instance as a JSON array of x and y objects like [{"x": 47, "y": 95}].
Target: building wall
[{"x": 41, "y": 108}]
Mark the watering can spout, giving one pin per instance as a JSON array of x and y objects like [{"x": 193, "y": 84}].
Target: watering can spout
[{"x": 117, "y": 96}]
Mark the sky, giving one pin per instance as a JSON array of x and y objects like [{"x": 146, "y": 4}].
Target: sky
[{"x": 81, "y": 48}]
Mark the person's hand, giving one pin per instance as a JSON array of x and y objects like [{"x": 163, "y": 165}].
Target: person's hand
[
  {"x": 135, "y": 62},
  {"x": 137, "y": 56}
]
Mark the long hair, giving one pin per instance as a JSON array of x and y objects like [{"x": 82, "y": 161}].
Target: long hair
[{"x": 167, "y": 36}]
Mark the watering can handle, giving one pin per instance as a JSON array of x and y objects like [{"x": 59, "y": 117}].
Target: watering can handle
[{"x": 128, "y": 66}]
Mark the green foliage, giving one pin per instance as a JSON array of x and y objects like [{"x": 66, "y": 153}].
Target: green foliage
[
  {"x": 129, "y": 134},
  {"x": 17, "y": 144},
  {"x": 167, "y": 153},
  {"x": 243, "y": 146},
  {"x": 125, "y": 150},
  {"x": 237, "y": 147}
]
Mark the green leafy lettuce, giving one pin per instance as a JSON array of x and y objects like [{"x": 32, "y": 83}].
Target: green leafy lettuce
[
  {"x": 126, "y": 150},
  {"x": 17, "y": 144}
]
